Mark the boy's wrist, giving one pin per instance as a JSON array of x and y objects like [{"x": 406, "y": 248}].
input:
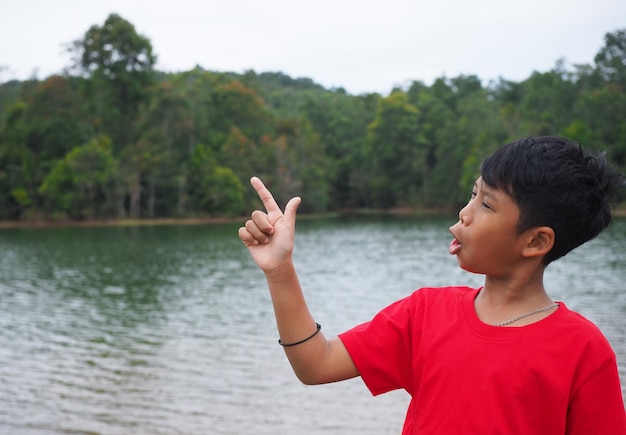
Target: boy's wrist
[{"x": 280, "y": 272}]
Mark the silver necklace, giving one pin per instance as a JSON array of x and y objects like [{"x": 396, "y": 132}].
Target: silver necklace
[{"x": 515, "y": 319}]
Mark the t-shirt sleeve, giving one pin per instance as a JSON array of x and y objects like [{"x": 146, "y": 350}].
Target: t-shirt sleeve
[
  {"x": 382, "y": 348},
  {"x": 597, "y": 406}
]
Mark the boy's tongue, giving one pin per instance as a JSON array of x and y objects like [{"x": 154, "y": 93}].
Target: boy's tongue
[{"x": 454, "y": 247}]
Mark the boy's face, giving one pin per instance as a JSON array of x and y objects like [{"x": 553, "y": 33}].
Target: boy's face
[{"x": 485, "y": 238}]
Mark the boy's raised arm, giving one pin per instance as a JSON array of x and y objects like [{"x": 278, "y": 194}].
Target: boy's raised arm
[{"x": 269, "y": 237}]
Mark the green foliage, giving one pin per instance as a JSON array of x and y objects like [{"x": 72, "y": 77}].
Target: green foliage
[
  {"x": 115, "y": 49},
  {"x": 237, "y": 106},
  {"x": 214, "y": 190},
  {"x": 21, "y": 197},
  {"x": 119, "y": 63},
  {"x": 611, "y": 60},
  {"x": 78, "y": 184},
  {"x": 186, "y": 144},
  {"x": 395, "y": 152},
  {"x": 55, "y": 119},
  {"x": 579, "y": 131}
]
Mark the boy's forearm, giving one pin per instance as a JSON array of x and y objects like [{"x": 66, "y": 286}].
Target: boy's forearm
[
  {"x": 295, "y": 323},
  {"x": 293, "y": 318}
]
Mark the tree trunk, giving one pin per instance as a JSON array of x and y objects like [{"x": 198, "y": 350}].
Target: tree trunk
[
  {"x": 181, "y": 195},
  {"x": 151, "y": 197},
  {"x": 135, "y": 197}
]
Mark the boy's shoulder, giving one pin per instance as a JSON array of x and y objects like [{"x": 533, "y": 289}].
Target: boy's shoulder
[
  {"x": 445, "y": 292},
  {"x": 442, "y": 298},
  {"x": 574, "y": 323}
]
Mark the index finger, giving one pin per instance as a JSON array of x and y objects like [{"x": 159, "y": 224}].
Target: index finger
[{"x": 268, "y": 200}]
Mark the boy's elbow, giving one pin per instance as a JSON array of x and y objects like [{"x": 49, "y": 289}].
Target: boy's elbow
[
  {"x": 308, "y": 381},
  {"x": 330, "y": 363},
  {"x": 318, "y": 376},
  {"x": 308, "y": 378}
]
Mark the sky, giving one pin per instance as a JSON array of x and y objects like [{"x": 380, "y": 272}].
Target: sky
[{"x": 360, "y": 45}]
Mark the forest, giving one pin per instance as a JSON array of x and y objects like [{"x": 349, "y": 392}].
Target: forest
[{"x": 113, "y": 138}]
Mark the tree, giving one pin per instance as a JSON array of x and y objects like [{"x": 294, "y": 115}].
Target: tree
[
  {"x": 340, "y": 123},
  {"x": 235, "y": 105},
  {"x": 161, "y": 154},
  {"x": 604, "y": 113},
  {"x": 19, "y": 190},
  {"x": 78, "y": 185},
  {"x": 55, "y": 120},
  {"x": 214, "y": 189},
  {"x": 548, "y": 102},
  {"x": 438, "y": 127},
  {"x": 301, "y": 165},
  {"x": 611, "y": 59},
  {"x": 395, "y": 152},
  {"x": 120, "y": 64}
]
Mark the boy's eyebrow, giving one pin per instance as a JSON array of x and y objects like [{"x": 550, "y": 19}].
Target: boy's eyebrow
[{"x": 486, "y": 191}]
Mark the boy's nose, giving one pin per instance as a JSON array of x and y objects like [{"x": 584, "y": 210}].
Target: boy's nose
[{"x": 464, "y": 216}]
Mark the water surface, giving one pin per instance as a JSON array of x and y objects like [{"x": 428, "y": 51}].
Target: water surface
[{"x": 169, "y": 329}]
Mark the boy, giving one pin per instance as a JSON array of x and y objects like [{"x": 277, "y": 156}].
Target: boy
[{"x": 501, "y": 359}]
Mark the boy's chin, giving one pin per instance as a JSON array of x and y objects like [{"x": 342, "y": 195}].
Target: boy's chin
[{"x": 468, "y": 268}]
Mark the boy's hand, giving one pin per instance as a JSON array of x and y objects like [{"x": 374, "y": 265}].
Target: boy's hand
[{"x": 269, "y": 236}]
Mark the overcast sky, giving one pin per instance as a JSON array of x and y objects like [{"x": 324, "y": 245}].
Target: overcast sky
[{"x": 360, "y": 45}]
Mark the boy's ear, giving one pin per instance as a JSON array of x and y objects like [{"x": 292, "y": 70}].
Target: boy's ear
[{"x": 540, "y": 242}]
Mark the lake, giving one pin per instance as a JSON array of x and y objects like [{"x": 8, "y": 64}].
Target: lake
[{"x": 170, "y": 330}]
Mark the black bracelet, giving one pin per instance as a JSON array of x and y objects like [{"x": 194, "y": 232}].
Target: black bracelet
[{"x": 319, "y": 327}]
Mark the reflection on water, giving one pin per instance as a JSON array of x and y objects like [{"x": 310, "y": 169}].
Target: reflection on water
[{"x": 170, "y": 329}]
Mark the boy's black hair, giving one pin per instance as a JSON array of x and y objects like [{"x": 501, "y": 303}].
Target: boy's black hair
[{"x": 556, "y": 183}]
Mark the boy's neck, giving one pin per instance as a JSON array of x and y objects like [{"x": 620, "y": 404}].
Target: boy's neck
[
  {"x": 503, "y": 299},
  {"x": 524, "y": 284}
]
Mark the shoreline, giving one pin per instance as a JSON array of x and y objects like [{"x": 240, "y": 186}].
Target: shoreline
[
  {"x": 202, "y": 220},
  {"x": 406, "y": 211},
  {"x": 115, "y": 222}
]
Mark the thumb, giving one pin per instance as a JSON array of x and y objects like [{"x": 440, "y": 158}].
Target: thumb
[{"x": 290, "y": 210}]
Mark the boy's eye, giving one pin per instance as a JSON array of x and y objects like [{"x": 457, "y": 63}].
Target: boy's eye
[
  {"x": 485, "y": 205},
  {"x": 473, "y": 195}
]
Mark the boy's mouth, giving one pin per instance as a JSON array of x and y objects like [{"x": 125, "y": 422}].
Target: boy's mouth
[{"x": 455, "y": 244}]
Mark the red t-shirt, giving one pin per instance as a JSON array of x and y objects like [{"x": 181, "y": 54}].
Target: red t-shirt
[{"x": 556, "y": 376}]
